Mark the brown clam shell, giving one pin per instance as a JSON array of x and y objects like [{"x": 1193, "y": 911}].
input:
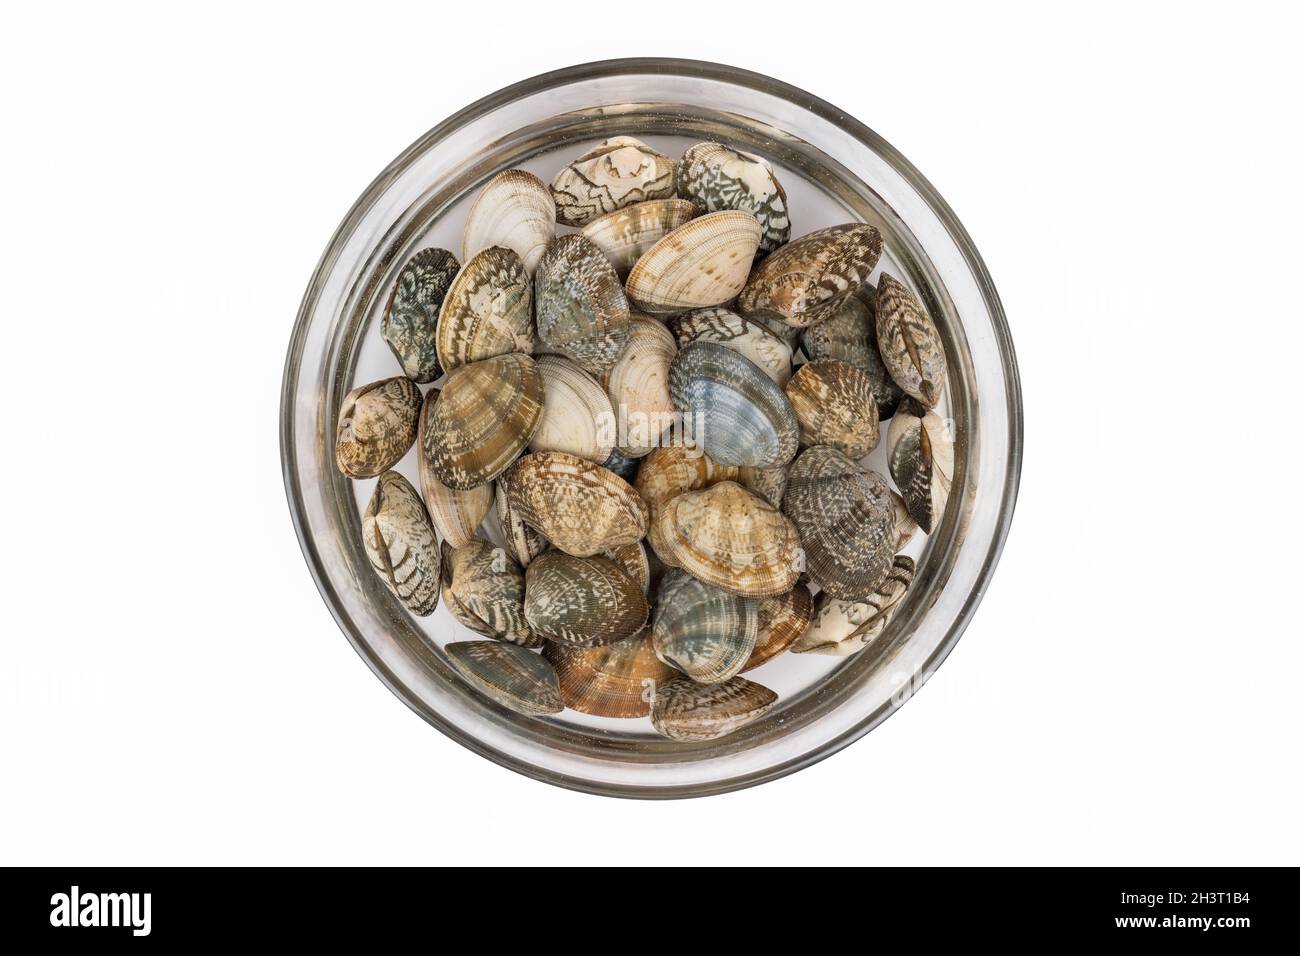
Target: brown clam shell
[
  {"x": 488, "y": 310},
  {"x": 586, "y": 602},
  {"x": 767, "y": 483},
  {"x": 782, "y": 620},
  {"x": 670, "y": 471},
  {"x": 686, "y": 710},
  {"x": 699, "y": 264},
  {"x": 849, "y": 334},
  {"x": 625, "y": 235},
  {"x": 921, "y": 461},
  {"x": 401, "y": 545},
  {"x": 637, "y": 386},
  {"x": 576, "y": 415},
  {"x": 909, "y": 342},
  {"x": 803, "y": 282},
  {"x": 523, "y": 543},
  {"x": 483, "y": 588},
  {"x": 377, "y": 425},
  {"x": 616, "y": 680},
  {"x": 455, "y": 514},
  {"x": 835, "y": 406}
]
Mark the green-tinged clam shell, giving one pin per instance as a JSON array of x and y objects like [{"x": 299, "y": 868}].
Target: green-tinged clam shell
[
  {"x": 513, "y": 210},
  {"x": 455, "y": 514},
  {"x": 769, "y": 352},
  {"x": 850, "y": 335},
  {"x": 377, "y": 425},
  {"x": 921, "y": 458},
  {"x": 576, "y": 417},
  {"x": 703, "y": 631},
  {"x": 488, "y": 310},
  {"x": 803, "y": 282},
  {"x": 686, "y": 710},
  {"x": 586, "y": 602},
  {"x": 582, "y": 311},
  {"x": 846, "y": 627},
  {"x": 625, "y": 235},
  {"x": 909, "y": 342},
  {"x": 616, "y": 680},
  {"x": 483, "y": 587},
  {"x": 716, "y": 177},
  {"x": 617, "y": 173},
  {"x": 668, "y": 472},
  {"x": 401, "y": 544},
  {"x": 782, "y": 620},
  {"x": 513, "y": 676},
  {"x": 699, "y": 264},
  {"x": 410, "y": 322},
  {"x": 835, "y": 406}
]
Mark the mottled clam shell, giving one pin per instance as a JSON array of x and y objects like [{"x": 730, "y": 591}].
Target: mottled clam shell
[
  {"x": 732, "y": 409},
  {"x": 483, "y": 587},
  {"x": 768, "y": 483},
  {"x": 700, "y": 264},
  {"x": 670, "y": 471},
  {"x": 909, "y": 341},
  {"x": 582, "y": 508},
  {"x": 686, "y": 710},
  {"x": 377, "y": 425},
  {"x": 782, "y": 620},
  {"x": 586, "y": 602},
  {"x": 514, "y": 210},
  {"x": 513, "y": 676},
  {"x": 637, "y": 386},
  {"x": 921, "y": 458},
  {"x": 703, "y": 631},
  {"x": 625, "y": 235},
  {"x": 904, "y": 524},
  {"x": 617, "y": 680},
  {"x": 522, "y": 542},
  {"x": 803, "y": 282},
  {"x": 769, "y": 352},
  {"x": 484, "y": 418},
  {"x": 401, "y": 544},
  {"x": 850, "y": 335},
  {"x": 835, "y": 406},
  {"x": 845, "y": 520},
  {"x": 727, "y": 537},
  {"x": 617, "y": 173},
  {"x": 623, "y": 466},
  {"x": 581, "y": 309},
  {"x": 846, "y": 627},
  {"x": 576, "y": 414},
  {"x": 635, "y": 560},
  {"x": 455, "y": 514},
  {"x": 410, "y": 322},
  {"x": 717, "y": 177},
  {"x": 488, "y": 310}
]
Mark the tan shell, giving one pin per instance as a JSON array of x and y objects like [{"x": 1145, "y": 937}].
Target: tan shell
[
  {"x": 635, "y": 560},
  {"x": 625, "y": 235},
  {"x": 581, "y": 309},
  {"x": 401, "y": 545},
  {"x": 835, "y": 406},
  {"x": 921, "y": 461},
  {"x": 585, "y": 602},
  {"x": 703, "y": 631},
  {"x": 488, "y": 310},
  {"x": 514, "y": 677},
  {"x": 769, "y": 352},
  {"x": 522, "y": 542},
  {"x": 377, "y": 425},
  {"x": 849, "y": 334},
  {"x": 617, "y": 680},
  {"x": 617, "y": 173},
  {"x": 670, "y": 471},
  {"x": 782, "y": 620},
  {"x": 803, "y": 282},
  {"x": 904, "y": 524},
  {"x": 579, "y": 506},
  {"x": 483, "y": 588},
  {"x": 576, "y": 416},
  {"x": 727, "y": 537},
  {"x": 637, "y": 386},
  {"x": 455, "y": 514},
  {"x": 685, "y": 710},
  {"x": 768, "y": 483},
  {"x": 846, "y": 627},
  {"x": 700, "y": 264},
  {"x": 717, "y": 177},
  {"x": 514, "y": 210},
  {"x": 909, "y": 342}
]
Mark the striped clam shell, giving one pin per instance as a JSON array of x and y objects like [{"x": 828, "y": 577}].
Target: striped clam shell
[
  {"x": 581, "y": 309},
  {"x": 377, "y": 426},
  {"x": 782, "y": 620},
  {"x": 513, "y": 676},
  {"x": 616, "y": 680},
  {"x": 701, "y": 630},
  {"x": 486, "y": 415},
  {"x": 514, "y": 210},
  {"x": 410, "y": 322},
  {"x": 686, "y": 710},
  {"x": 909, "y": 342},
  {"x": 483, "y": 588},
  {"x": 586, "y": 602},
  {"x": 803, "y": 282},
  {"x": 850, "y": 335},
  {"x": 625, "y": 235},
  {"x": 768, "y": 483},
  {"x": 670, "y": 471},
  {"x": 401, "y": 545},
  {"x": 921, "y": 459},
  {"x": 523, "y": 543},
  {"x": 455, "y": 514},
  {"x": 845, "y": 519},
  {"x": 769, "y": 352},
  {"x": 637, "y": 386},
  {"x": 617, "y": 173},
  {"x": 582, "y": 508},
  {"x": 846, "y": 627},
  {"x": 717, "y": 177},
  {"x": 488, "y": 310},
  {"x": 835, "y": 406},
  {"x": 576, "y": 414},
  {"x": 699, "y": 264}
]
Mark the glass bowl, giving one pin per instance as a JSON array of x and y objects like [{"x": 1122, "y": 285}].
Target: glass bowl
[{"x": 835, "y": 169}]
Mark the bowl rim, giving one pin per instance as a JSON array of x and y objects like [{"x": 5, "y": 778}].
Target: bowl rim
[{"x": 740, "y": 77}]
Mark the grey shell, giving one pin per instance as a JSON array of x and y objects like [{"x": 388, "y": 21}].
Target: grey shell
[
  {"x": 703, "y": 631},
  {"x": 582, "y": 311},
  {"x": 849, "y": 334},
  {"x": 586, "y": 602},
  {"x": 686, "y": 710},
  {"x": 401, "y": 544},
  {"x": 716, "y": 177},
  {"x": 483, "y": 588},
  {"x": 410, "y": 322},
  {"x": 514, "y": 677}
]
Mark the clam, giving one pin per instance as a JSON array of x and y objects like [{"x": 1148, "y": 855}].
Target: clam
[
  {"x": 617, "y": 173},
  {"x": 782, "y": 620},
  {"x": 616, "y": 680},
  {"x": 850, "y": 335},
  {"x": 522, "y": 542},
  {"x": 625, "y": 235},
  {"x": 623, "y": 466},
  {"x": 921, "y": 459},
  {"x": 727, "y": 537},
  {"x": 685, "y": 710},
  {"x": 909, "y": 341},
  {"x": 581, "y": 309},
  {"x": 635, "y": 560},
  {"x": 703, "y": 631},
  {"x": 904, "y": 524},
  {"x": 700, "y": 264},
  {"x": 576, "y": 415},
  {"x": 670, "y": 471},
  {"x": 488, "y": 310},
  {"x": 732, "y": 408},
  {"x": 486, "y": 415},
  {"x": 579, "y": 506},
  {"x": 514, "y": 210},
  {"x": 767, "y": 483},
  {"x": 845, "y": 520},
  {"x": 585, "y": 602},
  {"x": 512, "y": 676},
  {"x": 483, "y": 588},
  {"x": 717, "y": 177},
  {"x": 410, "y": 322},
  {"x": 401, "y": 544},
  {"x": 377, "y": 425},
  {"x": 455, "y": 514},
  {"x": 835, "y": 406},
  {"x": 803, "y": 282},
  {"x": 845, "y": 627},
  {"x": 769, "y": 352},
  {"x": 637, "y": 386}
]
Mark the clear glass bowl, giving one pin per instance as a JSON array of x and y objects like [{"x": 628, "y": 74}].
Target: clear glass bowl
[{"x": 835, "y": 169}]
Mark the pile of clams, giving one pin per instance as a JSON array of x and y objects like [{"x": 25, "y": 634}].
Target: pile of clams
[{"x": 640, "y": 439}]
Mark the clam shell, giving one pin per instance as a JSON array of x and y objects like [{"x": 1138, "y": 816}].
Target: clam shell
[
  {"x": 921, "y": 458},
  {"x": 732, "y": 409},
  {"x": 514, "y": 210},
  {"x": 909, "y": 342},
  {"x": 410, "y": 322},
  {"x": 904, "y": 524},
  {"x": 576, "y": 416},
  {"x": 623, "y": 466},
  {"x": 455, "y": 514},
  {"x": 703, "y": 631},
  {"x": 635, "y": 560},
  {"x": 488, "y": 310},
  {"x": 700, "y": 264},
  {"x": 377, "y": 425},
  {"x": 401, "y": 545},
  {"x": 845, "y": 520},
  {"x": 512, "y": 676},
  {"x": 769, "y": 352},
  {"x": 768, "y": 483},
  {"x": 670, "y": 471},
  {"x": 586, "y": 602},
  {"x": 486, "y": 415},
  {"x": 625, "y": 235},
  {"x": 805, "y": 281},
  {"x": 716, "y": 177},
  {"x": 850, "y": 335},
  {"x": 835, "y": 406},
  {"x": 522, "y": 542},
  {"x": 782, "y": 620},
  {"x": 581, "y": 309},
  {"x": 685, "y": 710},
  {"x": 846, "y": 627},
  {"x": 579, "y": 506},
  {"x": 617, "y": 680},
  {"x": 617, "y": 173},
  {"x": 483, "y": 588},
  {"x": 637, "y": 386},
  {"x": 727, "y": 537}
]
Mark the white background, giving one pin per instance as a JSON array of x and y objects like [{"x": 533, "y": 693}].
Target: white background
[{"x": 173, "y": 689}]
